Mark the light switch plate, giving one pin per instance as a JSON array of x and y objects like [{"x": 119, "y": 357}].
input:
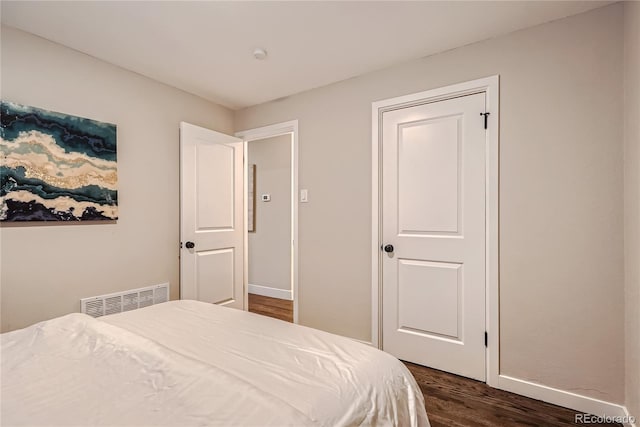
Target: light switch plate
[{"x": 304, "y": 196}]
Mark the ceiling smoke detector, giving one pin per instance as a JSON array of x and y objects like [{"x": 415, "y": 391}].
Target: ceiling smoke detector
[{"x": 259, "y": 53}]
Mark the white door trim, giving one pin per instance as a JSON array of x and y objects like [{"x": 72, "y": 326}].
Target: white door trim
[
  {"x": 489, "y": 86},
  {"x": 267, "y": 132}
]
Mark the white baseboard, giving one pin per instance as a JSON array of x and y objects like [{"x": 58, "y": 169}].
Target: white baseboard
[
  {"x": 267, "y": 291},
  {"x": 567, "y": 399}
]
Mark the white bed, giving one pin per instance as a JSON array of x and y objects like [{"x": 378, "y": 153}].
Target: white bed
[{"x": 187, "y": 363}]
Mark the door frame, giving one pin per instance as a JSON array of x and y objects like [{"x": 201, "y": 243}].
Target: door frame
[
  {"x": 290, "y": 127},
  {"x": 490, "y": 86}
]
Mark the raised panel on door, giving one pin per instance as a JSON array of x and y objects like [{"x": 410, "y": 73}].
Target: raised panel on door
[
  {"x": 429, "y": 175},
  {"x": 214, "y": 276},
  {"x": 214, "y": 187},
  {"x": 430, "y": 299}
]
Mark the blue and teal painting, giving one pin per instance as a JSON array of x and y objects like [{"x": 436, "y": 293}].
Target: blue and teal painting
[{"x": 56, "y": 167}]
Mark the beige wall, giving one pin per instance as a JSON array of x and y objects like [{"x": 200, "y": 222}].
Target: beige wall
[
  {"x": 270, "y": 245},
  {"x": 632, "y": 204},
  {"x": 46, "y": 269},
  {"x": 561, "y": 207}
]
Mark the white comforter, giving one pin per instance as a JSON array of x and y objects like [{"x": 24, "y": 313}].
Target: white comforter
[{"x": 186, "y": 363}]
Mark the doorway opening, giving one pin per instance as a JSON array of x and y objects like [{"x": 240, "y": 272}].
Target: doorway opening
[{"x": 271, "y": 219}]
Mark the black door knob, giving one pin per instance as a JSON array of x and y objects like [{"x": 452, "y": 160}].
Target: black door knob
[
  {"x": 190, "y": 245},
  {"x": 388, "y": 248}
]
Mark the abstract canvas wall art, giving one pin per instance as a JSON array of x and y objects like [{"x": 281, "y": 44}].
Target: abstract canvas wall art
[{"x": 56, "y": 167}]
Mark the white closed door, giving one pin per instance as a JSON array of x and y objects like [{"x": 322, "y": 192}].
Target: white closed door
[
  {"x": 211, "y": 217},
  {"x": 433, "y": 215}
]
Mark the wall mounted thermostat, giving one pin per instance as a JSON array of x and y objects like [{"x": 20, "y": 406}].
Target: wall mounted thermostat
[{"x": 266, "y": 197}]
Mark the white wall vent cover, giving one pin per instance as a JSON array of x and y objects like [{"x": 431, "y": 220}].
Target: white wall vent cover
[{"x": 124, "y": 301}]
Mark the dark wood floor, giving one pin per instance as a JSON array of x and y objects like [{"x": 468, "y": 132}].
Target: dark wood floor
[
  {"x": 452, "y": 400},
  {"x": 457, "y": 401},
  {"x": 279, "y": 308}
]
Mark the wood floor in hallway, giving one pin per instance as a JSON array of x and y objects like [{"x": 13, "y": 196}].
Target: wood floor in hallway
[{"x": 273, "y": 307}]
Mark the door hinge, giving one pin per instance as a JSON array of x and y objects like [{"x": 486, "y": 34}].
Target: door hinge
[
  {"x": 486, "y": 339},
  {"x": 486, "y": 119}
]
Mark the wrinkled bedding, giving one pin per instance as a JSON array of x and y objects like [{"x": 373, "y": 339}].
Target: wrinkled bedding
[{"x": 187, "y": 363}]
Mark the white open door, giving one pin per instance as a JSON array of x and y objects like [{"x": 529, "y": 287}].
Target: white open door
[
  {"x": 433, "y": 234},
  {"x": 211, "y": 217}
]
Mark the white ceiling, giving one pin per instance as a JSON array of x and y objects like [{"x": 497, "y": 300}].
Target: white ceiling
[{"x": 206, "y": 47}]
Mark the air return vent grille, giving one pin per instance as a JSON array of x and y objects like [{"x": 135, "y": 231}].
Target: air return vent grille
[{"x": 124, "y": 301}]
